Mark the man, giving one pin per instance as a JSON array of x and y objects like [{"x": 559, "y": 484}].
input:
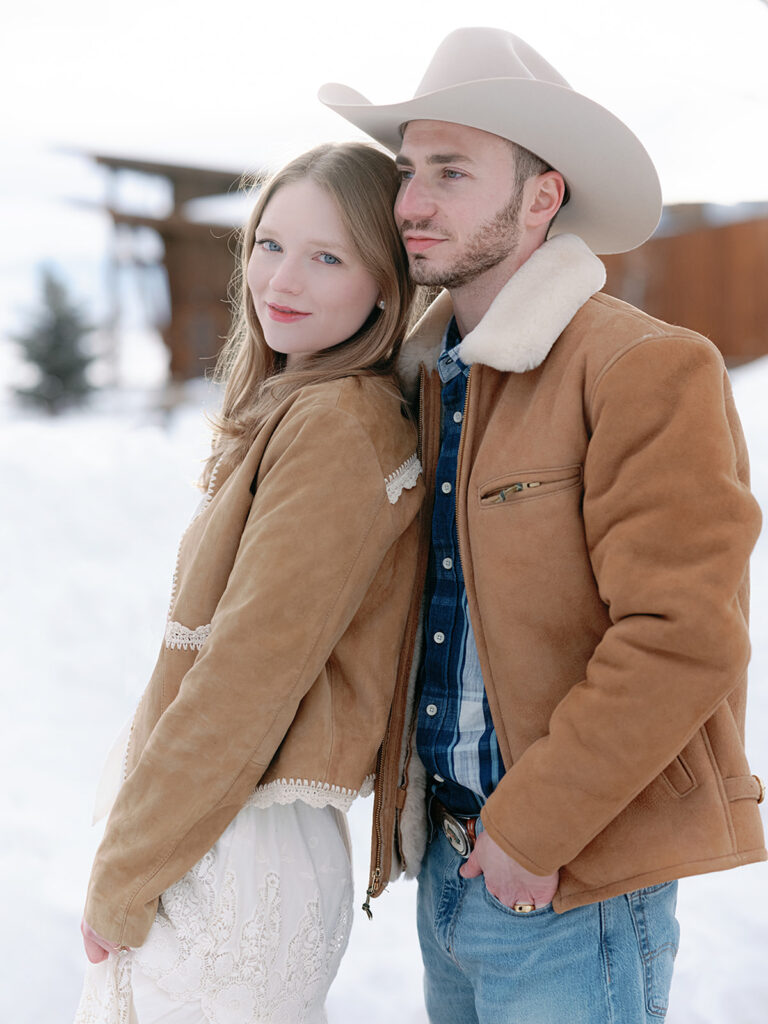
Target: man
[{"x": 576, "y": 714}]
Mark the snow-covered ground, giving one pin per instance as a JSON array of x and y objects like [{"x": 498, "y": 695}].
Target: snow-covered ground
[{"x": 94, "y": 505}]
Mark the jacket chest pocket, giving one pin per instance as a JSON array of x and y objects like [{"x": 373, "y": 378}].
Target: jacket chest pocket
[{"x": 524, "y": 485}]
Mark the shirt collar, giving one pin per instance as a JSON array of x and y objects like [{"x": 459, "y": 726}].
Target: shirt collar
[{"x": 448, "y": 364}]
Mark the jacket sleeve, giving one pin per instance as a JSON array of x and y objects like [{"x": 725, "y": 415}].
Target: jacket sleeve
[
  {"x": 319, "y": 526},
  {"x": 670, "y": 525}
]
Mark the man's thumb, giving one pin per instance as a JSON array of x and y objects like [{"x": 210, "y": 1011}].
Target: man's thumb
[{"x": 471, "y": 867}]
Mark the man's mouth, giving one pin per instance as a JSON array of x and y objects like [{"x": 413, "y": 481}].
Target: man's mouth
[
  {"x": 420, "y": 243},
  {"x": 285, "y": 314}
]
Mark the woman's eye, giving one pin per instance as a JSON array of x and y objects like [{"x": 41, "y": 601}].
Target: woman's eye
[
  {"x": 328, "y": 259},
  {"x": 267, "y": 244}
]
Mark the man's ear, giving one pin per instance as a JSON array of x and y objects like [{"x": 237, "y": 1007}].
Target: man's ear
[{"x": 543, "y": 198}]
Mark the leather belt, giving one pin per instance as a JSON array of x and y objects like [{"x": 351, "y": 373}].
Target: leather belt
[{"x": 459, "y": 829}]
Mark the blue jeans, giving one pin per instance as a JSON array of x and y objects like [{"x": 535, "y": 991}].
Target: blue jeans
[{"x": 605, "y": 963}]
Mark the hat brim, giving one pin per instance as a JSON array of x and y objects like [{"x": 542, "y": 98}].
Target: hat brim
[{"x": 615, "y": 196}]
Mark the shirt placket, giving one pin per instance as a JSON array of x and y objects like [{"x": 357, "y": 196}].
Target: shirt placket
[{"x": 440, "y": 702}]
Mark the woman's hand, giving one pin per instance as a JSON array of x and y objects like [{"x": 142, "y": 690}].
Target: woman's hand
[{"x": 96, "y": 948}]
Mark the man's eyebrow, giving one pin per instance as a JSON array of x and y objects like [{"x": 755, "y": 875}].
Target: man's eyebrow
[{"x": 436, "y": 158}]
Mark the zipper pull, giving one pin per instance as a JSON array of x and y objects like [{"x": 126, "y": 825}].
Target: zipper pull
[
  {"x": 370, "y": 891},
  {"x": 523, "y": 485}
]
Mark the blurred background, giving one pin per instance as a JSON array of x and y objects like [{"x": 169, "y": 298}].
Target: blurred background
[{"x": 125, "y": 132}]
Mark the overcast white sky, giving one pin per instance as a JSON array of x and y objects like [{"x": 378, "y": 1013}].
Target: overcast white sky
[{"x": 233, "y": 84}]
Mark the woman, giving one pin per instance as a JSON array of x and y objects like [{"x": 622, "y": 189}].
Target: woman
[{"x": 221, "y": 891}]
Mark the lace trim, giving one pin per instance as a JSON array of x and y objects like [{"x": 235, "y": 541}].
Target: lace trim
[
  {"x": 178, "y": 636},
  {"x": 316, "y": 794},
  {"x": 403, "y": 478},
  {"x": 207, "y": 498}
]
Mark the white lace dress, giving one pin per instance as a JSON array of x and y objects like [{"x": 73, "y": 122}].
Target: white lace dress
[{"x": 252, "y": 934}]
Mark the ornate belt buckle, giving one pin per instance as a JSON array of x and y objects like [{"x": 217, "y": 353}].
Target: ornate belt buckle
[{"x": 456, "y": 833}]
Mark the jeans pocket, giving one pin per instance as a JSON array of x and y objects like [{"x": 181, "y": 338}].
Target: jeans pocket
[{"x": 658, "y": 935}]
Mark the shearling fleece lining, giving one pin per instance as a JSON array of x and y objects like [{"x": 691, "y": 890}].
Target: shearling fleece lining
[{"x": 535, "y": 306}]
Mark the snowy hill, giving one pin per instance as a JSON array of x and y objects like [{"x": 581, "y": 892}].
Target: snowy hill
[{"x": 94, "y": 507}]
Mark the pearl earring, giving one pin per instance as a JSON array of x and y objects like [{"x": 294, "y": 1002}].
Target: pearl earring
[{"x": 380, "y": 303}]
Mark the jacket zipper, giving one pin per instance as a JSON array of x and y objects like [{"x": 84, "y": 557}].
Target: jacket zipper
[
  {"x": 395, "y": 729},
  {"x": 458, "y": 469},
  {"x": 570, "y": 475}
]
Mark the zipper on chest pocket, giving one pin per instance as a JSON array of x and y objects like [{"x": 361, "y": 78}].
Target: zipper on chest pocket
[{"x": 536, "y": 482}]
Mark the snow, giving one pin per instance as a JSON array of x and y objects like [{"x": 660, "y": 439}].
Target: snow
[{"x": 95, "y": 504}]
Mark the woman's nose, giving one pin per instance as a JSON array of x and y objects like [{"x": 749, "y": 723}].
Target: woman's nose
[{"x": 287, "y": 277}]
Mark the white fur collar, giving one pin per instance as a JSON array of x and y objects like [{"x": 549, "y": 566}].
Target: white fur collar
[{"x": 524, "y": 320}]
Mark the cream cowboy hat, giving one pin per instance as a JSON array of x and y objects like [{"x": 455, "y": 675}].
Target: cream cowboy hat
[{"x": 489, "y": 79}]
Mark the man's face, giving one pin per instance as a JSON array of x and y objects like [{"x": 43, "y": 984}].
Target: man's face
[{"x": 457, "y": 208}]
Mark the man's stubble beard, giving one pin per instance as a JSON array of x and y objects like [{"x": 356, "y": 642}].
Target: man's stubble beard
[{"x": 489, "y": 245}]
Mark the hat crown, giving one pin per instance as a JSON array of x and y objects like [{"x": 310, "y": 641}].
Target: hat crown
[{"x": 477, "y": 54}]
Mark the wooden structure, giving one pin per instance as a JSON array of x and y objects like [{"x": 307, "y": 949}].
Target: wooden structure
[
  {"x": 199, "y": 259},
  {"x": 712, "y": 279}
]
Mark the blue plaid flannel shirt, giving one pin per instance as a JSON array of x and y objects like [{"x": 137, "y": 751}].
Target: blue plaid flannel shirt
[{"x": 455, "y": 736}]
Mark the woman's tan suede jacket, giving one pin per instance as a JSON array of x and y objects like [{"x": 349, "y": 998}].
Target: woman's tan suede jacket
[
  {"x": 605, "y": 525},
  {"x": 281, "y": 650}
]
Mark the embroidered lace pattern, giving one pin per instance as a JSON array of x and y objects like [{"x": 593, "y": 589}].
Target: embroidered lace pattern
[
  {"x": 106, "y": 997},
  {"x": 316, "y": 794},
  {"x": 178, "y": 636},
  {"x": 252, "y": 934},
  {"x": 250, "y": 982},
  {"x": 403, "y": 478}
]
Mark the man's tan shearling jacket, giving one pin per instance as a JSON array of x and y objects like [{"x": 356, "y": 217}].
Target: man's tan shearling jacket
[
  {"x": 605, "y": 525},
  {"x": 281, "y": 649}
]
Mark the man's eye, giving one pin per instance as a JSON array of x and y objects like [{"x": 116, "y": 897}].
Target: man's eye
[
  {"x": 454, "y": 175},
  {"x": 328, "y": 259},
  {"x": 406, "y": 175},
  {"x": 267, "y": 244}
]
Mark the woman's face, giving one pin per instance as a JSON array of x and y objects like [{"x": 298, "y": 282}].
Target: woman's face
[{"x": 309, "y": 287}]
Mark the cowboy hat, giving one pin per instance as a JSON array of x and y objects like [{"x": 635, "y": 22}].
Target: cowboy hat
[{"x": 492, "y": 80}]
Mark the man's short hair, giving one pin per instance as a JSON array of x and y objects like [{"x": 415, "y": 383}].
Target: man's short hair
[{"x": 528, "y": 165}]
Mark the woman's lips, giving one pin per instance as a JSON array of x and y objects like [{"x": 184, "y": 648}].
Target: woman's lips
[
  {"x": 413, "y": 244},
  {"x": 284, "y": 314}
]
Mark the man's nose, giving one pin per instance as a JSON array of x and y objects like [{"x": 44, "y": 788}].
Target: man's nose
[{"x": 415, "y": 201}]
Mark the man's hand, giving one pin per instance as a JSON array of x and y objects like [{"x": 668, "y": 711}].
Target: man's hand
[
  {"x": 505, "y": 878},
  {"x": 96, "y": 948}
]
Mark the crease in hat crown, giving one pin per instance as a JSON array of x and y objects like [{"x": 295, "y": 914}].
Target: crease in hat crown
[
  {"x": 490, "y": 79},
  {"x": 503, "y": 55}
]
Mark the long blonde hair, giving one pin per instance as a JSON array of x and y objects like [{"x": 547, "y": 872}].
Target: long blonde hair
[{"x": 363, "y": 182}]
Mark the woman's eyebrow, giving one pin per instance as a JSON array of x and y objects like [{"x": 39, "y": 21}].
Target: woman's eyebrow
[{"x": 316, "y": 243}]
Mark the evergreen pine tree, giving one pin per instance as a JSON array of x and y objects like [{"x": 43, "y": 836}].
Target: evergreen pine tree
[{"x": 53, "y": 344}]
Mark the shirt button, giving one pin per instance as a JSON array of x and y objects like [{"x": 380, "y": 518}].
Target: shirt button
[
  {"x": 431, "y": 710},
  {"x": 439, "y": 637},
  {"x": 447, "y": 563},
  {"x": 446, "y": 487},
  {"x": 438, "y": 778},
  {"x": 458, "y": 417}
]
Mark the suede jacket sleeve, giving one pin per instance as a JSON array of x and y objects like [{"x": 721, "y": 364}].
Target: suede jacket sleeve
[
  {"x": 319, "y": 527},
  {"x": 670, "y": 525}
]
